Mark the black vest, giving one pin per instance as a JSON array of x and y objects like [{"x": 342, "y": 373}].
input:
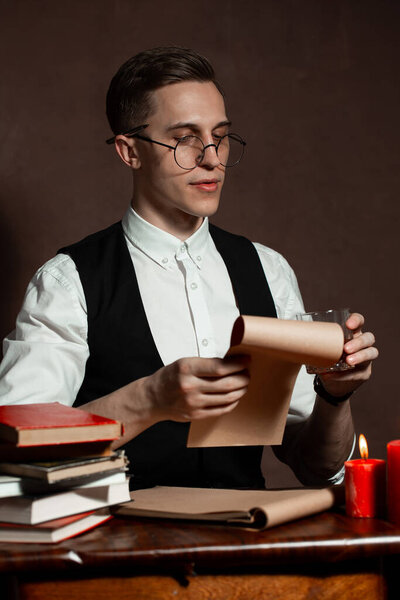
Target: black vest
[{"x": 122, "y": 349}]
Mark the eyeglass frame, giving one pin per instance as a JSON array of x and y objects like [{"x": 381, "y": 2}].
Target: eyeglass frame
[{"x": 136, "y": 130}]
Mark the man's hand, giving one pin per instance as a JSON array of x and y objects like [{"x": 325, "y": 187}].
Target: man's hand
[
  {"x": 196, "y": 388},
  {"x": 360, "y": 353}
]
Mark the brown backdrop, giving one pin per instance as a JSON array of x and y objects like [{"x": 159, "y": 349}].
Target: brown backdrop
[{"x": 312, "y": 86}]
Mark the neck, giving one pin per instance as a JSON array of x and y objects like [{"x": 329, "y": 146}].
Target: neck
[{"x": 176, "y": 222}]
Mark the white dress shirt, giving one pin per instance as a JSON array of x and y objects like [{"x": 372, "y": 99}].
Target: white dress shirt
[{"x": 189, "y": 304}]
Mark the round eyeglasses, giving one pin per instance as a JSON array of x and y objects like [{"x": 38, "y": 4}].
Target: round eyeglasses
[{"x": 189, "y": 151}]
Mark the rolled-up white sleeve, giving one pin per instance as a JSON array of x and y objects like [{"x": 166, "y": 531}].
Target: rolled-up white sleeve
[
  {"x": 45, "y": 356},
  {"x": 288, "y": 302}
]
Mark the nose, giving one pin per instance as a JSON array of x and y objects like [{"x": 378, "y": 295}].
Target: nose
[{"x": 210, "y": 159}]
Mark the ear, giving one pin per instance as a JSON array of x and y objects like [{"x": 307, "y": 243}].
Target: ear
[{"x": 127, "y": 151}]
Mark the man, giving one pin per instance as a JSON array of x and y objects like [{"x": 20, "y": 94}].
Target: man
[{"x": 133, "y": 322}]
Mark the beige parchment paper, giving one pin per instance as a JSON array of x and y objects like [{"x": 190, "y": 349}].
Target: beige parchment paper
[
  {"x": 277, "y": 349},
  {"x": 258, "y": 509}
]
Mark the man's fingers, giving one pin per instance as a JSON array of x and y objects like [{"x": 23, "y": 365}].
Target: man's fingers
[
  {"x": 355, "y": 322},
  {"x": 217, "y": 399},
  {"x": 213, "y": 411},
  {"x": 213, "y": 367},
  {"x": 209, "y": 405},
  {"x": 223, "y": 385},
  {"x": 366, "y": 355},
  {"x": 364, "y": 340}
]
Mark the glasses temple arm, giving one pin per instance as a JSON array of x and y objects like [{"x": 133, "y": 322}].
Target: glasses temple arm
[
  {"x": 129, "y": 133},
  {"x": 147, "y": 139}
]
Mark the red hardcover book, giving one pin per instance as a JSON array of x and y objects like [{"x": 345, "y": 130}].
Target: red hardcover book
[
  {"x": 53, "y": 531},
  {"x": 53, "y": 423}
]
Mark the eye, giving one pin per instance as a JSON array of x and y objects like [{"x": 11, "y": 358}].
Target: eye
[
  {"x": 217, "y": 135},
  {"x": 189, "y": 140},
  {"x": 183, "y": 138}
]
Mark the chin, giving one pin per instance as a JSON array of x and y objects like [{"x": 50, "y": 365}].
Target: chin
[
  {"x": 211, "y": 212},
  {"x": 206, "y": 208}
]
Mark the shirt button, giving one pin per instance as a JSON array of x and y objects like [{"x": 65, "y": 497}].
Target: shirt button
[
  {"x": 198, "y": 258},
  {"x": 164, "y": 261},
  {"x": 193, "y": 286},
  {"x": 204, "y": 342},
  {"x": 183, "y": 249}
]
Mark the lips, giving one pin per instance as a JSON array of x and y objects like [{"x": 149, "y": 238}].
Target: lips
[{"x": 207, "y": 185}]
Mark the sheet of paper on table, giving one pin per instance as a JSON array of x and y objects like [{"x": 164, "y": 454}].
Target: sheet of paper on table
[
  {"x": 257, "y": 509},
  {"x": 277, "y": 348}
]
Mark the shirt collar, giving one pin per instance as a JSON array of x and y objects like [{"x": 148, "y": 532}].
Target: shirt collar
[{"x": 161, "y": 246}]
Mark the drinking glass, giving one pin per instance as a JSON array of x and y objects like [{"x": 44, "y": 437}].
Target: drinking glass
[{"x": 333, "y": 315}]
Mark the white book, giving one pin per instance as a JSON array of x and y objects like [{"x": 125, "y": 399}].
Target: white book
[
  {"x": 38, "y": 509},
  {"x": 10, "y": 485}
]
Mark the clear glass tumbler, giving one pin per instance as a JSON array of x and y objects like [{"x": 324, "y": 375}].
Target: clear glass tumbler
[{"x": 334, "y": 315}]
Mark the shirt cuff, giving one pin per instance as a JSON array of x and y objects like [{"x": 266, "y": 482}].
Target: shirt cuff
[{"x": 339, "y": 477}]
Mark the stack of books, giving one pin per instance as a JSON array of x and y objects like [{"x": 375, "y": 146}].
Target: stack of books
[{"x": 58, "y": 472}]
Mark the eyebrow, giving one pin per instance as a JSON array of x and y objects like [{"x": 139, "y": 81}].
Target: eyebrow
[{"x": 194, "y": 127}]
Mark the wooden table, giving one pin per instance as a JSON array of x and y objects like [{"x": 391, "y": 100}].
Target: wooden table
[{"x": 326, "y": 556}]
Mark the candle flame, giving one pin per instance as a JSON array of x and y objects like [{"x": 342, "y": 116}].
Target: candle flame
[{"x": 362, "y": 443}]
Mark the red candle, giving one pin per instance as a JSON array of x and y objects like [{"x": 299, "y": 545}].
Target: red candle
[
  {"x": 393, "y": 483},
  {"x": 365, "y": 480}
]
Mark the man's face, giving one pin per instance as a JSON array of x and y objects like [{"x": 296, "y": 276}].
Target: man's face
[{"x": 165, "y": 194}]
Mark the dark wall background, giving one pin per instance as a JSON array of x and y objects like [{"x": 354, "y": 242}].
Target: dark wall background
[{"x": 312, "y": 86}]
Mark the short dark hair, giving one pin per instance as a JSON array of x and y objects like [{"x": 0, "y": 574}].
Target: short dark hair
[{"x": 129, "y": 95}]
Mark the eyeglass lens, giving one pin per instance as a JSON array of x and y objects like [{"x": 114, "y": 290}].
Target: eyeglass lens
[{"x": 189, "y": 151}]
